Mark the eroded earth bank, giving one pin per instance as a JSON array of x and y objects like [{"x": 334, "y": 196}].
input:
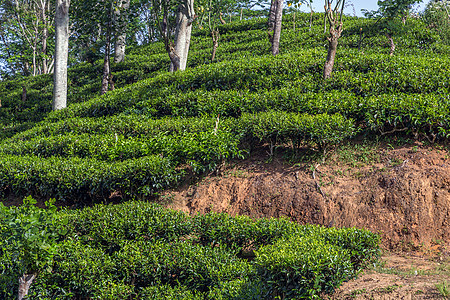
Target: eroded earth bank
[{"x": 403, "y": 193}]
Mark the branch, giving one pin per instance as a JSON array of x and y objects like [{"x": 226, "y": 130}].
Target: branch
[
  {"x": 393, "y": 130},
  {"x": 317, "y": 184}
]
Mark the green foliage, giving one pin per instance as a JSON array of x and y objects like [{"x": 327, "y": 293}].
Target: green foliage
[
  {"x": 251, "y": 289},
  {"x": 436, "y": 15},
  {"x": 277, "y": 127},
  {"x": 28, "y": 241},
  {"x": 168, "y": 292},
  {"x": 139, "y": 139},
  {"x": 238, "y": 233},
  {"x": 141, "y": 250},
  {"x": 362, "y": 245},
  {"x": 302, "y": 267},
  {"x": 106, "y": 226},
  {"x": 84, "y": 179}
]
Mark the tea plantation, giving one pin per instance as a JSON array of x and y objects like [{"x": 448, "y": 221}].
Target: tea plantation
[{"x": 155, "y": 127}]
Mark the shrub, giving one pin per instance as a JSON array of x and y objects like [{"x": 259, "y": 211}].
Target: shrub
[
  {"x": 302, "y": 267},
  {"x": 84, "y": 179}
]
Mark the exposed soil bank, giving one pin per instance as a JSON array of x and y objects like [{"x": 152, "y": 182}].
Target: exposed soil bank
[{"x": 403, "y": 193}]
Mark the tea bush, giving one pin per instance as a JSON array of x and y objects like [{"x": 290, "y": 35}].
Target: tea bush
[
  {"x": 302, "y": 267},
  {"x": 138, "y": 249},
  {"x": 78, "y": 179}
]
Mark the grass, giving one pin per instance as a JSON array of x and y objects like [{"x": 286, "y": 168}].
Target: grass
[
  {"x": 444, "y": 289},
  {"x": 357, "y": 292},
  {"x": 358, "y": 154}
]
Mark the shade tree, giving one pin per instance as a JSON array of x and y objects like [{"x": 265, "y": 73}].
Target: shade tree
[
  {"x": 333, "y": 16},
  {"x": 210, "y": 14},
  {"x": 392, "y": 15},
  {"x": 26, "y": 36},
  {"x": 174, "y": 20}
]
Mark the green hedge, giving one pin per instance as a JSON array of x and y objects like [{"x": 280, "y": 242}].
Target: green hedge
[
  {"x": 78, "y": 179},
  {"x": 138, "y": 249},
  {"x": 303, "y": 267}
]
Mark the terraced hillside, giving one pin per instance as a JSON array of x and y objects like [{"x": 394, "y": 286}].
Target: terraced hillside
[
  {"x": 144, "y": 136},
  {"x": 158, "y": 130}
]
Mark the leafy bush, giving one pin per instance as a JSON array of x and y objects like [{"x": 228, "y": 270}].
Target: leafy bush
[
  {"x": 138, "y": 249},
  {"x": 107, "y": 226},
  {"x": 168, "y": 292},
  {"x": 302, "y": 267},
  {"x": 28, "y": 241},
  {"x": 84, "y": 179},
  {"x": 436, "y": 16}
]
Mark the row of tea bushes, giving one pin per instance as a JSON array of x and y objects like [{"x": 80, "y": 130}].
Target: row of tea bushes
[
  {"x": 248, "y": 47},
  {"x": 418, "y": 113},
  {"x": 356, "y": 75},
  {"x": 62, "y": 163},
  {"x": 76, "y": 179},
  {"x": 139, "y": 250}
]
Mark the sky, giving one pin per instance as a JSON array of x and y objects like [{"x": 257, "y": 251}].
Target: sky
[{"x": 358, "y": 5}]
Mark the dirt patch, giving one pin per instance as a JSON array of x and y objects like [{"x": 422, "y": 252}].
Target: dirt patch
[
  {"x": 398, "y": 277},
  {"x": 402, "y": 193}
]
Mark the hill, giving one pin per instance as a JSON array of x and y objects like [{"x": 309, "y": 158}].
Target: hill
[{"x": 171, "y": 138}]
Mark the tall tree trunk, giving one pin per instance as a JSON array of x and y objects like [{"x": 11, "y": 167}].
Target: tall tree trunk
[
  {"x": 178, "y": 54},
  {"x": 184, "y": 57},
  {"x": 335, "y": 34},
  {"x": 24, "y": 285},
  {"x": 271, "y": 21},
  {"x": 61, "y": 54},
  {"x": 391, "y": 44},
  {"x": 44, "y": 51},
  {"x": 277, "y": 28},
  {"x": 120, "y": 43},
  {"x": 34, "y": 61},
  {"x": 215, "y": 38},
  {"x": 334, "y": 17},
  {"x": 329, "y": 63},
  {"x": 106, "y": 68},
  {"x": 45, "y": 11}
]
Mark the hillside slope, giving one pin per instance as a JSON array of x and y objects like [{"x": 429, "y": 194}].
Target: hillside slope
[
  {"x": 250, "y": 134},
  {"x": 143, "y": 137}
]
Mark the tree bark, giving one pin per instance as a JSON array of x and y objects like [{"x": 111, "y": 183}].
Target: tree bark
[
  {"x": 335, "y": 34},
  {"x": 184, "y": 58},
  {"x": 271, "y": 21},
  {"x": 120, "y": 43},
  {"x": 106, "y": 68},
  {"x": 391, "y": 44},
  {"x": 178, "y": 54},
  {"x": 61, "y": 54},
  {"x": 329, "y": 63},
  {"x": 221, "y": 19},
  {"x": 24, "y": 285},
  {"x": 334, "y": 17},
  {"x": 215, "y": 38},
  {"x": 277, "y": 28},
  {"x": 44, "y": 51}
]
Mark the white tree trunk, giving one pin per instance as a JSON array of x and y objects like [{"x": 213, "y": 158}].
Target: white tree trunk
[
  {"x": 277, "y": 28},
  {"x": 185, "y": 17},
  {"x": 187, "y": 43},
  {"x": 61, "y": 54},
  {"x": 24, "y": 285},
  {"x": 120, "y": 43}
]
